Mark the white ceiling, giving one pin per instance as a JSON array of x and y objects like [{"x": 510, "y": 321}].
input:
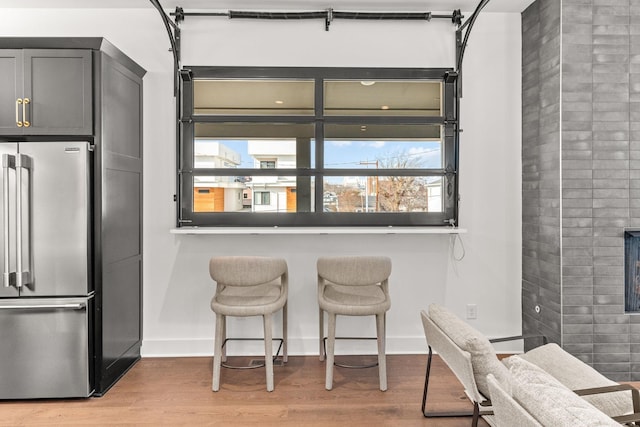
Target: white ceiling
[{"x": 293, "y": 5}]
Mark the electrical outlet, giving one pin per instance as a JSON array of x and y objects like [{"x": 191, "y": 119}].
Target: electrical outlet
[{"x": 472, "y": 311}]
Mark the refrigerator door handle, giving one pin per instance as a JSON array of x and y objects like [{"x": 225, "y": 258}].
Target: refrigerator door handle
[
  {"x": 8, "y": 162},
  {"x": 23, "y": 277},
  {"x": 79, "y": 306}
]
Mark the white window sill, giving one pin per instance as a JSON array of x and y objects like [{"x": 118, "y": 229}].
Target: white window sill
[{"x": 318, "y": 230}]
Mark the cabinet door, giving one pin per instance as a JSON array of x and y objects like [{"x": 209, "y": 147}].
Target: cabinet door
[
  {"x": 11, "y": 83},
  {"x": 58, "y": 85}
]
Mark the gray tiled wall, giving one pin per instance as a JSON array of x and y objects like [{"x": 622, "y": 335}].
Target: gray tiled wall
[
  {"x": 541, "y": 169},
  {"x": 578, "y": 178},
  {"x": 581, "y": 176}
]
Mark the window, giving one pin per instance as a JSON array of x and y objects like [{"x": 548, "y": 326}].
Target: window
[
  {"x": 267, "y": 164},
  {"x": 262, "y": 198},
  {"x": 318, "y": 146}
]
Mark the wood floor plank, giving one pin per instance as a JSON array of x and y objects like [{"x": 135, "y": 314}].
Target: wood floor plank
[{"x": 177, "y": 392}]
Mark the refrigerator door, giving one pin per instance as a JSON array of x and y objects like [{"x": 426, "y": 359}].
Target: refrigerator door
[
  {"x": 45, "y": 348},
  {"x": 8, "y": 153},
  {"x": 53, "y": 216}
]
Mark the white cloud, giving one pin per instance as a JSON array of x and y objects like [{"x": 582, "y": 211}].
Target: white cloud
[
  {"x": 431, "y": 157},
  {"x": 340, "y": 143},
  {"x": 375, "y": 144}
]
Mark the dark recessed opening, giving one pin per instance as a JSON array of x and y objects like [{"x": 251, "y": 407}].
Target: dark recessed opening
[{"x": 632, "y": 271}]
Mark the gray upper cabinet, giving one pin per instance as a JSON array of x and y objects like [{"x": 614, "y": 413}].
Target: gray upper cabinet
[
  {"x": 46, "y": 92},
  {"x": 11, "y": 77}
]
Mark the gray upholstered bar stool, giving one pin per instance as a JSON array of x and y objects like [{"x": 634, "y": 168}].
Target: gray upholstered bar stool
[
  {"x": 249, "y": 286},
  {"x": 353, "y": 286}
]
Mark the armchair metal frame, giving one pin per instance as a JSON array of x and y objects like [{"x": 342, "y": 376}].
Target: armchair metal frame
[{"x": 459, "y": 361}]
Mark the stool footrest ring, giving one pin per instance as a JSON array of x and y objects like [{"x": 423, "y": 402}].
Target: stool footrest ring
[
  {"x": 261, "y": 365},
  {"x": 342, "y": 365}
]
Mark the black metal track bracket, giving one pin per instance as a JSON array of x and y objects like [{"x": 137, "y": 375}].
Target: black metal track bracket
[
  {"x": 186, "y": 74},
  {"x": 328, "y": 15},
  {"x": 462, "y": 32},
  {"x": 173, "y": 31},
  {"x": 462, "y": 38}
]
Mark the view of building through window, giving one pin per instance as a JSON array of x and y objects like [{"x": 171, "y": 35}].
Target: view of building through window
[{"x": 341, "y": 194}]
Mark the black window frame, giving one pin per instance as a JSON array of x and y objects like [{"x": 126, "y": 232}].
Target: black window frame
[{"x": 185, "y": 150}]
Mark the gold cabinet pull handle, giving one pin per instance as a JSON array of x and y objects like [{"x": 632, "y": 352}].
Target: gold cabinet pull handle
[
  {"x": 18, "y": 122},
  {"x": 26, "y": 122}
]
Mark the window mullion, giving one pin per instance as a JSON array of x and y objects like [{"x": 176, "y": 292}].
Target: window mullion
[{"x": 319, "y": 135}]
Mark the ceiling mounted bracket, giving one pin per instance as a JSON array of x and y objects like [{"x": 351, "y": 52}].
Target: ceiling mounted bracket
[
  {"x": 328, "y": 19},
  {"x": 457, "y": 16},
  {"x": 178, "y": 14}
]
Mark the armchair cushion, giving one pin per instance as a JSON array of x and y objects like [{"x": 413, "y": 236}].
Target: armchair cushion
[
  {"x": 576, "y": 375},
  {"x": 548, "y": 401},
  {"x": 483, "y": 355},
  {"x": 508, "y": 412}
]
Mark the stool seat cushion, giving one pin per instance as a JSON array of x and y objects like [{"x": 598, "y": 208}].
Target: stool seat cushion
[
  {"x": 354, "y": 300},
  {"x": 248, "y": 300}
]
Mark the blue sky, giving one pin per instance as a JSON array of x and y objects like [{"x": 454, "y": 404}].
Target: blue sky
[{"x": 352, "y": 154}]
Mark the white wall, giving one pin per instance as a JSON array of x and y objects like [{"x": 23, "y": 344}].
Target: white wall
[{"x": 177, "y": 318}]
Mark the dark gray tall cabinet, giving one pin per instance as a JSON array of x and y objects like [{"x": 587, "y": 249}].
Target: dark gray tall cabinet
[{"x": 77, "y": 89}]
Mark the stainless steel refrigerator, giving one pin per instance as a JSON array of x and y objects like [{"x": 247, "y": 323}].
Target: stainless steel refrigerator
[
  {"x": 71, "y": 216},
  {"x": 46, "y": 297}
]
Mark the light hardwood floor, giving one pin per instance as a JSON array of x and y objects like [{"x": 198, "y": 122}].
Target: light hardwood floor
[{"x": 177, "y": 392}]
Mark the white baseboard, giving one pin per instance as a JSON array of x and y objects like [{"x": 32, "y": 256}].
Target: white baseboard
[
  {"x": 297, "y": 347},
  {"x": 177, "y": 348}
]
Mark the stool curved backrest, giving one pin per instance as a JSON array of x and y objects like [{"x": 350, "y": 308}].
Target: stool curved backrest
[
  {"x": 355, "y": 271},
  {"x": 246, "y": 270}
]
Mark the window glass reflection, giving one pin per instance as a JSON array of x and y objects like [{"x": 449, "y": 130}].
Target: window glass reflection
[
  {"x": 275, "y": 194},
  {"x": 252, "y": 97},
  {"x": 382, "y": 98},
  {"x": 383, "y": 147},
  {"x": 382, "y": 194}
]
